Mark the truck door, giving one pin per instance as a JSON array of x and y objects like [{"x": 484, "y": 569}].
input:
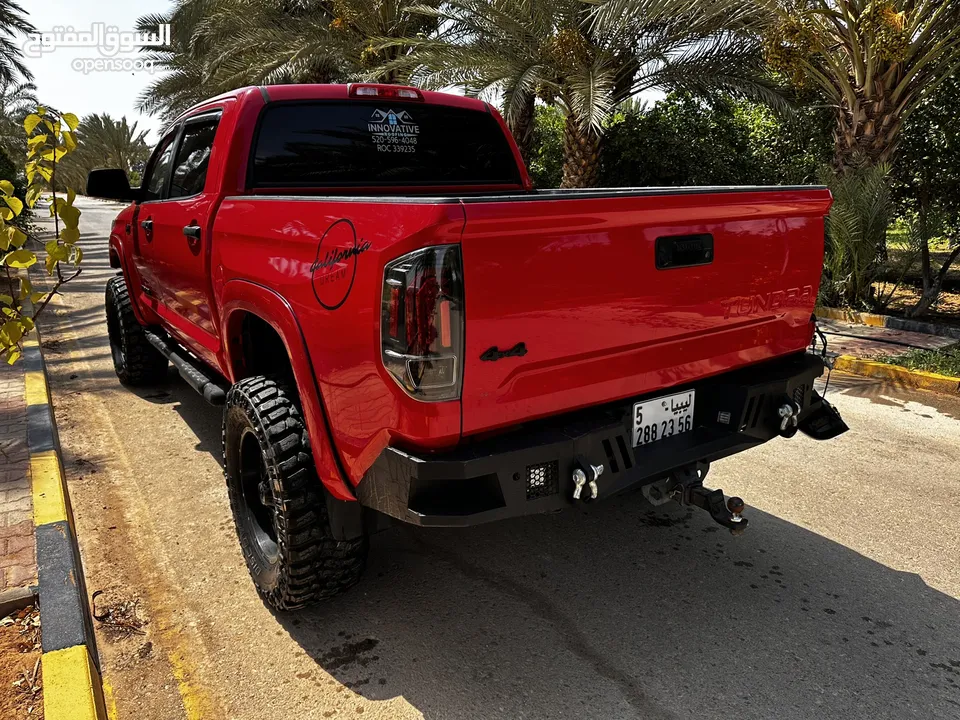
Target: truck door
[
  {"x": 156, "y": 179},
  {"x": 177, "y": 228}
]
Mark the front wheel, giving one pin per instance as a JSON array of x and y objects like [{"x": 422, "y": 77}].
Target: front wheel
[
  {"x": 135, "y": 360},
  {"x": 277, "y": 500}
]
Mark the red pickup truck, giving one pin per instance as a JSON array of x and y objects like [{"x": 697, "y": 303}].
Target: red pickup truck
[{"x": 400, "y": 327}]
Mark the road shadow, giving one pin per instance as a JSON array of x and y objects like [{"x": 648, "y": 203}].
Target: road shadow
[
  {"x": 890, "y": 392},
  {"x": 617, "y": 611},
  {"x": 623, "y": 612}
]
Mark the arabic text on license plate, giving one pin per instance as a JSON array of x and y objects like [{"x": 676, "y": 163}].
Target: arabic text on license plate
[{"x": 662, "y": 417}]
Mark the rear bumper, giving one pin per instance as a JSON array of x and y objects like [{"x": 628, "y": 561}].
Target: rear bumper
[{"x": 529, "y": 470}]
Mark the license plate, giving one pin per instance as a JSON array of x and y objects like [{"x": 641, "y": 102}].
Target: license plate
[{"x": 662, "y": 417}]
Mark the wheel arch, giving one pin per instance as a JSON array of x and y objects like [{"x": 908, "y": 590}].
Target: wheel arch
[
  {"x": 248, "y": 305},
  {"x": 120, "y": 261}
]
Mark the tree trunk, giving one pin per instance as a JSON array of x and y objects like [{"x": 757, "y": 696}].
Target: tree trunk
[
  {"x": 523, "y": 128},
  {"x": 866, "y": 134},
  {"x": 926, "y": 272},
  {"x": 931, "y": 293},
  {"x": 581, "y": 155}
]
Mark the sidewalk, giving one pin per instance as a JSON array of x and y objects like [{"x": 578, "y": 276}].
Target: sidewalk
[
  {"x": 866, "y": 342},
  {"x": 18, "y": 559}
]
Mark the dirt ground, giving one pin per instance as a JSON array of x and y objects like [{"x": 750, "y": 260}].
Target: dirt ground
[
  {"x": 21, "y": 693},
  {"x": 946, "y": 311}
]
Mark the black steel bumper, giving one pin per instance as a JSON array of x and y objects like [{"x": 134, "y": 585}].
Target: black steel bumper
[{"x": 529, "y": 470}]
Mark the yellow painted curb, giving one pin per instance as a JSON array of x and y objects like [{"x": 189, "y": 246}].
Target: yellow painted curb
[
  {"x": 35, "y": 388},
  {"x": 860, "y": 318},
  {"x": 49, "y": 501},
  {"x": 901, "y": 375},
  {"x": 71, "y": 686},
  {"x": 109, "y": 700}
]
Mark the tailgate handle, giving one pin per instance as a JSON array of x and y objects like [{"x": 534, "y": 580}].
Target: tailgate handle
[{"x": 677, "y": 251}]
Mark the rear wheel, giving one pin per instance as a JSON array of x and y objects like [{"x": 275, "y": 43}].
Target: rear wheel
[
  {"x": 277, "y": 500},
  {"x": 135, "y": 360}
]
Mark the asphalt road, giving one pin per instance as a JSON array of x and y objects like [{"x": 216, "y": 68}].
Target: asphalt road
[{"x": 841, "y": 601}]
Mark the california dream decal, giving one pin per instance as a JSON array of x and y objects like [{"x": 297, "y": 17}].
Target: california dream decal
[{"x": 333, "y": 270}]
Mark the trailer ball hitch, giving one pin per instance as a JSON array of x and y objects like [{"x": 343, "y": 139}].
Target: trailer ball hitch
[{"x": 687, "y": 489}]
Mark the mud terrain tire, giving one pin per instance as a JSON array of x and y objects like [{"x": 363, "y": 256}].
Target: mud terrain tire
[
  {"x": 278, "y": 502},
  {"x": 135, "y": 360}
]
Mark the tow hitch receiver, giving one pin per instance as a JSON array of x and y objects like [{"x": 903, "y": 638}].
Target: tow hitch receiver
[{"x": 685, "y": 486}]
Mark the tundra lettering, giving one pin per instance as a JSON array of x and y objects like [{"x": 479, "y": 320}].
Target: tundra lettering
[{"x": 774, "y": 300}]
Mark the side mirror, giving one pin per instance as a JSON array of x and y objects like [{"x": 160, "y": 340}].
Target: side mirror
[{"x": 110, "y": 184}]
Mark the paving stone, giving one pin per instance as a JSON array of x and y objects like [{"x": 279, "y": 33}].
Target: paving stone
[
  {"x": 18, "y": 565},
  {"x": 17, "y": 559},
  {"x": 12, "y": 519},
  {"x": 21, "y": 576},
  {"x": 863, "y": 341}
]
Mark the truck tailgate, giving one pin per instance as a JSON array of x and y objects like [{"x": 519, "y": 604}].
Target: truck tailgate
[{"x": 575, "y": 278}]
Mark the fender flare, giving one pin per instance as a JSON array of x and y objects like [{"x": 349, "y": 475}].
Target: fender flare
[
  {"x": 132, "y": 278},
  {"x": 249, "y": 297}
]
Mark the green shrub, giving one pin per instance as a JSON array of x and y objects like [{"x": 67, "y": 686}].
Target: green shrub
[
  {"x": 546, "y": 164},
  {"x": 684, "y": 140},
  {"x": 679, "y": 141},
  {"x": 856, "y": 236},
  {"x": 944, "y": 362}
]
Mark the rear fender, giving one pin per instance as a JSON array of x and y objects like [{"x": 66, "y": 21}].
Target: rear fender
[{"x": 240, "y": 297}]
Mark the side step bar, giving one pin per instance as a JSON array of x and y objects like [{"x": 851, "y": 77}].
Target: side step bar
[{"x": 189, "y": 369}]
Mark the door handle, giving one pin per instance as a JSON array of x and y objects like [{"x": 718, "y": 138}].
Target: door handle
[
  {"x": 192, "y": 231},
  {"x": 147, "y": 225}
]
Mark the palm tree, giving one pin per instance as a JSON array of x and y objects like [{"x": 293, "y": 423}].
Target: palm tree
[
  {"x": 17, "y": 100},
  {"x": 259, "y": 41},
  {"x": 218, "y": 45},
  {"x": 875, "y": 60},
  {"x": 13, "y": 20},
  {"x": 308, "y": 41},
  {"x": 103, "y": 142},
  {"x": 186, "y": 78},
  {"x": 586, "y": 60}
]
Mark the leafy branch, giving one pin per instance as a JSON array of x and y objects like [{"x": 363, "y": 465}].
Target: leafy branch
[{"x": 50, "y": 137}]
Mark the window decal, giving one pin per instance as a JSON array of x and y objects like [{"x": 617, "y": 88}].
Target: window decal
[{"x": 393, "y": 131}]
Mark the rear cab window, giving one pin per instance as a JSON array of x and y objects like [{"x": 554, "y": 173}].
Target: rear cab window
[{"x": 330, "y": 144}]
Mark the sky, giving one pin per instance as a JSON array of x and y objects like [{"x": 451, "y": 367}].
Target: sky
[
  {"x": 72, "y": 90},
  {"x": 59, "y": 72}
]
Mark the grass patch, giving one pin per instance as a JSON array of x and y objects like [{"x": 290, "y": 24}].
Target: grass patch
[{"x": 942, "y": 362}]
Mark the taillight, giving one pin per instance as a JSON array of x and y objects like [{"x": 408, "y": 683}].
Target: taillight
[{"x": 421, "y": 323}]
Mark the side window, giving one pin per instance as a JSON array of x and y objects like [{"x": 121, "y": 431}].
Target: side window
[
  {"x": 159, "y": 171},
  {"x": 190, "y": 168}
]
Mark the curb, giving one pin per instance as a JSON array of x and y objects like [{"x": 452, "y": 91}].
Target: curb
[
  {"x": 72, "y": 686},
  {"x": 887, "y": 321},
  {"x": 903, "y": 376},
  {"x": 17, "y": 599}
]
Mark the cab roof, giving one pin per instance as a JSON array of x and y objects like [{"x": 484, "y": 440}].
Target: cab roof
[{"x": 294, "y": 92}]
